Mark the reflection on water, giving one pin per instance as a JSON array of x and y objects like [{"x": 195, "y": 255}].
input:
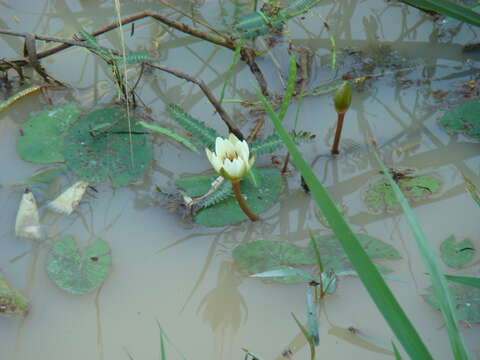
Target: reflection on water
[{"x": 407, "y": 69}]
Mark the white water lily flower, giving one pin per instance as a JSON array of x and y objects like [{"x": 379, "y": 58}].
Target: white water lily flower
[{"x": 231, "y": 157}]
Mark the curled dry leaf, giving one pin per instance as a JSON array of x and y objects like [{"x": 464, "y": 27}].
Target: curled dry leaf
[
  {"x": 68, "y": 201},
  {"x": 27, "y": 224}
]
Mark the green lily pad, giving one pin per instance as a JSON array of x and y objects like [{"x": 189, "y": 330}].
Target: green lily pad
[
  {"x": 334, "y": 257},
  {"x": 262, "y": 256},
  {"x": 380, "y": 196},
  {"x": 100, "y": 148},
  {"x": 12, "y": 302},
  {"x": 456, "y": 253},
  {"x": 258, "y": 198},
  {"x": 75, "y": 272},
  {"x": 467, "y": 300},
  {"x": 41, "y": 139},
  {"x": 463, "y": 119}
]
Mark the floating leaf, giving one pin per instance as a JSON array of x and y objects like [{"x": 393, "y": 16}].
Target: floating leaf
[
  {"x": 334, "y": 258},
  {"x": 260, "y": 256},
  {"x": 75, "y": 272},
  {"x": 12, "y": 302},
  {"x": 467, "y": 300},
  {"x": 264, "y": 256},
  {"x": 463, "y": 119},
  {"x": 456, "y": 253},
  {"x": 380, "y": 196},
  {"x": 115, "y": 155},
  {"x": 41, "y": 140},
  {"x": 27, "y": 223},
  {"x": 258, "y": 199},
  {"x": 44, "y": 175}
]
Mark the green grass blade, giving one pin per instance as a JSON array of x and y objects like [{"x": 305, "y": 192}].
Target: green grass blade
[
  {"x": 371, "y": 278},
  {"x": 439, "y": 283},
  {"x": 448, "y": 8},
  {"x": 292, "y": 76},
  {"x": 169, "y": 133},
  {"x": 317, "y": 252},
  {"x": 307, "y": 336},
  {"x": 236, "y": 58},
  {"x": 465, "y": 280},
  {"x": 396, "y": 352}
]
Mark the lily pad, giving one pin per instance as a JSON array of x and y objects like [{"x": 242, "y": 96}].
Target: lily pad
[
  {"x": 12, "y": 302},
  {"x": 41, "y": 139},
  {"x": 111, "y": 153},
  {"x": 380, "y": 196},
  {"x": 456, "y": 253},
  {"x": 258, "y": 198},
  {"x": 334, "y": 258},
  {"x": 467, "y": 300},
  {"x": 263, "y": 256},
  {"x": 75, "y": 272},
  {"x": 463, "y": 119}
]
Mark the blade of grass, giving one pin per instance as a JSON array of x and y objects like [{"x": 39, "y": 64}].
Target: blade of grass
[
  {"x": 236, "y": 58},
  {"x": 292, "y": 75},
  {"x": 371, "y": 278},
  {"x": 169, "y": 133},
  {"x": 465, "y": 280},
  {"x": 307, "y": 336},
  {"x": 396, "y": 352},
  {"x": 312, "y": 317},
  {"x": 439, "y": 283},
  {"x": 448, "y": 8}
]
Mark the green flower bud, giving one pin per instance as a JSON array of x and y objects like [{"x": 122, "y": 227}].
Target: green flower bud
[{"x": 343, "y": 98}]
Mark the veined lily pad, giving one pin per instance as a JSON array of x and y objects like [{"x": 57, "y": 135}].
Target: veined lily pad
[
  {"x": 12, "y": 302},
  {"x": 380, "y": 196},
  {"x": 75, "y": 272},
  {"x": 262, "y": 256},
  {"x": 463, "y": 119},
  {"x": 456, "y": 253},
  {"x": 100, "y": 148},
  {"x": 41, "y": 140},
  {"x": 467, "y": 301},
  {"x": 259, "y": 199},
  {"x": 333, "y": 256}
]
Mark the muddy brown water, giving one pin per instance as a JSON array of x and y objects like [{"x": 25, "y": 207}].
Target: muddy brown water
[{"x": 181, "y": 274}]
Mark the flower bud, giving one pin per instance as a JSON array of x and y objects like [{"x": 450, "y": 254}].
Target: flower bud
[{"x": 343, "y": 98}]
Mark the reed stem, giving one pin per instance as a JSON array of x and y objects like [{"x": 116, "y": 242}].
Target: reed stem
[{"x": 241, "y": 201}]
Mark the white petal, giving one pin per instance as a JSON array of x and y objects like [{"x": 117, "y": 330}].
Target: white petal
[
  {"x": 27, "y": 223},
  {"x": 243, "y": 150},
  {"x": 212, "y": 157},
  {"x": 235, "y": 169},
  {"x": 66, "y": 202}
]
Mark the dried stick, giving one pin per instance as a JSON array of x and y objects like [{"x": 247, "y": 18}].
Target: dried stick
[{"x": 223, "y": 114}]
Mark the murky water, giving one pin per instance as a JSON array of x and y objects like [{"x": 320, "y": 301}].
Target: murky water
[{"x": 182, "y": 275}]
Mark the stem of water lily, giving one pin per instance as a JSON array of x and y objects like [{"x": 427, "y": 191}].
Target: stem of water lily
[
  {"x": 338, "y": 133},
  {"x": 241, "y": 200}
]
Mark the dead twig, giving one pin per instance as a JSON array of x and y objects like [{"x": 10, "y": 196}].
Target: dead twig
[{"x": 223, "y": 114}]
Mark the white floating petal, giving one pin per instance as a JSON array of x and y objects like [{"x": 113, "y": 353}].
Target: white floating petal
[
  {"x": 27, "y": 224},
  {"x": 66, "y": 202}
]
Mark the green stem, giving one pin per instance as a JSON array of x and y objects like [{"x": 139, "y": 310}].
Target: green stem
[
  {"x": 241, "y": 200},
  {"x": 338, "y": 133}
]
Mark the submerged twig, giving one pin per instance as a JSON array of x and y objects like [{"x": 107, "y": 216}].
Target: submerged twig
[{"x": 223, "y": 114}]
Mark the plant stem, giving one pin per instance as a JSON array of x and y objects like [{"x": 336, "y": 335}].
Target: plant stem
[
  {"x": 241, "y": 200},
  {"x": 338, "y": 133}
]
